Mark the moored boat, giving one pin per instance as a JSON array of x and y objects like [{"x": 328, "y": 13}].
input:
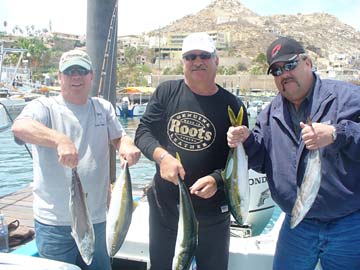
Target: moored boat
[
  {"x": 13, "y": 103},
  {"x": 5, "y": 121},
  {"x": 126, "y": 109}
]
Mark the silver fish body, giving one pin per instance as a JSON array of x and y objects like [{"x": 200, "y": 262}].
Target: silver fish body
[
  {"x": 120, "y": 212},
  {"x": 187, "y": 234},
  {"x": 237, "y": 187},
  {"x": 81, "y": 225},
  {"x": 309, "y": 188}
]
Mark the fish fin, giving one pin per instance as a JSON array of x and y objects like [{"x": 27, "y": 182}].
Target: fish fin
[
  {"x": 223, "y": 173},
  {"x": 231, "y": 116},
  {"x": 135, "y": 204},
  {"x": 178, "y": 156},
  {"x": 239, "y": 118},
  {"x": 308, "y": 121}
]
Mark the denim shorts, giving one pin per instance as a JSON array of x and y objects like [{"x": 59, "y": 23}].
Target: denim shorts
[
  {"x": 56, "y": 243},
  {"x": 336, "y": 244}
]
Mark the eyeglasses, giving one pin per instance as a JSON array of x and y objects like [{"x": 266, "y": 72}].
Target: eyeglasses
[
  {"x": 287, "y": 67},
  {"x": 193, "y": 56},
  {"x": 77, "y": 70}
]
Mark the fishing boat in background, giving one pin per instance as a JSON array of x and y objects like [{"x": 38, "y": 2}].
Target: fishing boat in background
[
  {"x": 14, "y": 103},
  {"x": 125, "y": 108},
  {"x": 132, "y": 101},
  {"x": 5, "y": 121}
]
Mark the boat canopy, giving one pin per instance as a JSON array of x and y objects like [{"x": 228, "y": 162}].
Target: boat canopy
[{"x": 137, "y": 90}]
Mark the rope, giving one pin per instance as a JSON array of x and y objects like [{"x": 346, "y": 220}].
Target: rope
[
  {"x": 113, "y": 24},
  {"x": 12, "y": 121},
  {"x": 113, "y": 53}
]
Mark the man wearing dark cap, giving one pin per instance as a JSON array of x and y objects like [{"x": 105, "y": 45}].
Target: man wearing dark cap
[
  {"x": 69, "y": 131},
  {"x": 309, "y": 117},
  {"x": 189, "y": 117}
]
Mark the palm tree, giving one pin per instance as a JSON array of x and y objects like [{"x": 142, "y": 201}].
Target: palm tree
[
  {"x": 129, "y": 71},
  {"x": 38, "y": 54},
  {"x": 260, "y": 64}
]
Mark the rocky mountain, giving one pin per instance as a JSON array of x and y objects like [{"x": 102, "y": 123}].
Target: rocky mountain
[{"x": 250, "y": 34}]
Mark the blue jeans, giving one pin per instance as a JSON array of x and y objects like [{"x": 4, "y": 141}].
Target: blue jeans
[
  {"x": 56, "y": 243},
  {"x": 336, "y": 244}
]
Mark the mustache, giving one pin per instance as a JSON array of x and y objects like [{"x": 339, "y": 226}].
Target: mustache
[
  {"x": 200, "y": 67},
  {"x": 289, "y": 79}
]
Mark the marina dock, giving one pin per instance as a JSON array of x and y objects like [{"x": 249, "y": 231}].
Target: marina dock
[{"x": 18, "y": 205}]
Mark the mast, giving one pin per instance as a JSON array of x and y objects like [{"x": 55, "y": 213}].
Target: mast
[{"x": 101, "y": 45}]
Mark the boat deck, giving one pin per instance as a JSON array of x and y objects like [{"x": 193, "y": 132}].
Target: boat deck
[{"x": 18, "y": 205}]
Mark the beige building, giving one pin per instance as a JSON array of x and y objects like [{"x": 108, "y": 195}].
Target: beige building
[{"x": 169, "y": 44}]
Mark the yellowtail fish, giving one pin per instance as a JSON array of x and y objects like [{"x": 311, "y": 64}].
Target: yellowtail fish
[
  {"x": 81, "y": 225},
  {"x": 236, "y": 176},
  {"x": 187, "y": 234},
  {"x": 309, "y": 188},
  {"x": 120, "y": 212}
]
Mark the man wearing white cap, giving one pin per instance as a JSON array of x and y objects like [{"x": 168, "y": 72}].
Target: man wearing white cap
[
  {"x": 67, "y": 131},
  {"x": 189, "y": 117}
]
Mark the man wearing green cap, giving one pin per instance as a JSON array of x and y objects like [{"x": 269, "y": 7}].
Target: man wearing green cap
[{"x": 67, "y": 131}]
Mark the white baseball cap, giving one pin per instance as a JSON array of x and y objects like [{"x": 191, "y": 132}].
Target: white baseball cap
[
  {"x": 198, "y": 41},
  {"x": 75, "y": 58}
]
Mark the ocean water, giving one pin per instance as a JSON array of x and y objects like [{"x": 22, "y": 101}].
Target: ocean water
[{"x": 16, "y": 163}]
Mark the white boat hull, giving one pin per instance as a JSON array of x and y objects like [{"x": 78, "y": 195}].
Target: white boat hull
[
  {"x": 13, "y": 105},
  {"x": 9, "y": 261},
  {"x": 124, "y": 110},
  {"x": 255, "y": 252},
  {"x": 4, "y": 119}
]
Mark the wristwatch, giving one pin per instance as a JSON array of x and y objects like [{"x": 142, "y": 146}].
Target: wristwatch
[
  {"x": 162, "y": 156},
  {"x": 334, "y": 134}
]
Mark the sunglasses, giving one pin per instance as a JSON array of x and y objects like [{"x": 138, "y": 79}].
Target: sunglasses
[
  {"x": 277, "y": 71},
  {"x": 193, "y": 56},
  {"x": 74, "y": 71}
]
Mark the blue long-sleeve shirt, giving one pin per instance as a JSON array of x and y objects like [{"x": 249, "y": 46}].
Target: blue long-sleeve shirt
[{"x": 274, "y": 149}]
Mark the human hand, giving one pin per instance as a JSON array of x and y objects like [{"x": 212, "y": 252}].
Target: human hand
[
  {"x": 236, "y": 135},
  {"x": 317, "y": 135},
  {"x": 205, "y": 187},
  {"x": 128, "y": 151},
  {"x": 171, "y": 169},
  {"x": 67, "y": 152}
]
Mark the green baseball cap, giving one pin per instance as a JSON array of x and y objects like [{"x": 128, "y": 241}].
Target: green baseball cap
[{"x": 75, "y": 58}]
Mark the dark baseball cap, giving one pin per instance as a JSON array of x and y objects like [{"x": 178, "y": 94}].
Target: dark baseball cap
[{"x": 283, "y": 50}]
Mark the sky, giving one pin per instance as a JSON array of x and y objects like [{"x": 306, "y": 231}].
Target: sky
[{"x": 138, "y": 16}]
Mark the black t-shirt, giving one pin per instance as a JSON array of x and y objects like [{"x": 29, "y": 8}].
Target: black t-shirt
[{"x": 195, "y": 126}]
